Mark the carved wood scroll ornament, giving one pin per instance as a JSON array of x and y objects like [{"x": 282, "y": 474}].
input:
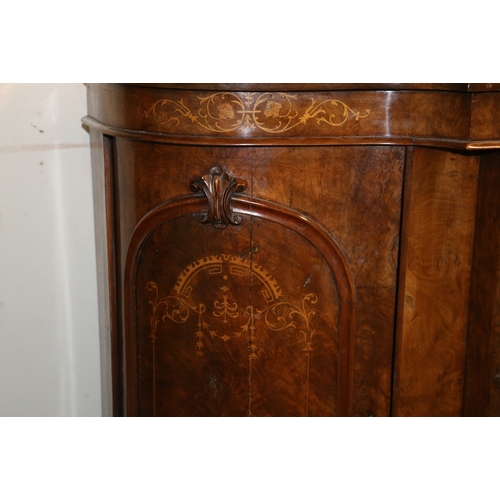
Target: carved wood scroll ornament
[{"x": 219, "y": 187}]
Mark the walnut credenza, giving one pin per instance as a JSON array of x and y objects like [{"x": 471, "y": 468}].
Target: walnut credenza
[{"x": 293, "y": 250}]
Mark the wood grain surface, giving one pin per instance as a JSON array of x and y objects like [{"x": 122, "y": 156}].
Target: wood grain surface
[
  {"x": 242, "y": 356},
  {"x": 482, "y": 381},
  {"x": 435, "y": 279},
  {"x": 354, "y": 195}
]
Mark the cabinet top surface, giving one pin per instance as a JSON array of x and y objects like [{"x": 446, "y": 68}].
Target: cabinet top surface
[{"x": 289, "y": 87}]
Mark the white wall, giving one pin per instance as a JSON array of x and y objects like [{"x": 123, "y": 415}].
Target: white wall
[{"x": 49, "y": 350}]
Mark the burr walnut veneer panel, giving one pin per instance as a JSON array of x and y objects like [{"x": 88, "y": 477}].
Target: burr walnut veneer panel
[{"x": 296, "y": 250}]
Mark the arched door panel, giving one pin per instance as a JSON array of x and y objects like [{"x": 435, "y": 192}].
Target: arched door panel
[{"x": 252, "y": 318}]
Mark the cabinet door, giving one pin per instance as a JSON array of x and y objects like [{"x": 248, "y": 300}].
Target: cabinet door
[
  {"x": 269, "y": 290},
  {"x": 253, "y": 316}
]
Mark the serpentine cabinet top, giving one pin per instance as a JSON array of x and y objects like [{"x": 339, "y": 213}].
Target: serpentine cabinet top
[{"x": 459, "y": 116}]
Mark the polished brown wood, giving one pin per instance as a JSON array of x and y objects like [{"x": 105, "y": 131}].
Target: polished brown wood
[
  {"x": 305, "y": 115},
  {"x": 482, "y": 382},
  {"x": 298, "y": 249},
  {"x": 224, "y": 255},
  {"x": 435, "y": 281}
]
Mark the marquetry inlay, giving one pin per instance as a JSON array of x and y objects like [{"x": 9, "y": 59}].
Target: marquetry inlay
[
  {"x": 270, "y": 112},
  {"x": 226, "y": 316}
]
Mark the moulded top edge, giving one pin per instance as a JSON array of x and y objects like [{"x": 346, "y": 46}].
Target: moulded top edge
[{"x": 289, "y": 87}]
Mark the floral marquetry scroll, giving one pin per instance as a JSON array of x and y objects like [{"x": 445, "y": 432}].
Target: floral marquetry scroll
[
  {"x": 269, "y": 112},
  {"x": 270, "y": 311}
]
